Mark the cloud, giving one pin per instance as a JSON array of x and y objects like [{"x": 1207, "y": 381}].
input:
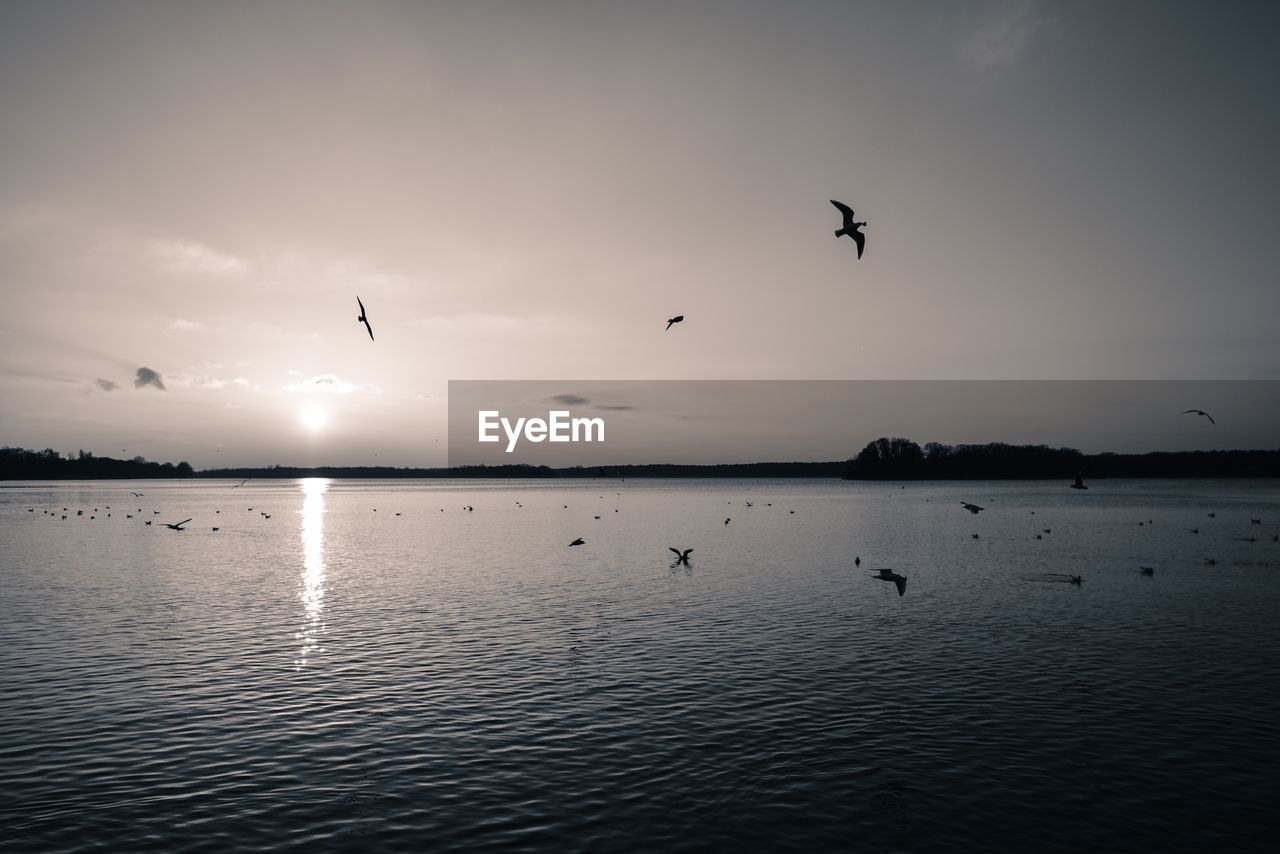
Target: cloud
[
  {"x": 1002, "y": 38},
  {"x": 106, "y": 385},
  {"x": 331, "y": 384},
  {"x": 186, "y": 256},
  {"x": 570, "y": 399},
  {"x": 146, "y": 376},
  {"x": 186, "y": 325},
  {"x": 242, "y": 382}
]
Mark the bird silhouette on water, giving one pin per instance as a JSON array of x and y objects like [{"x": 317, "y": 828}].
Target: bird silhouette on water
[
  {"x": 177, "y": 526},
  {"x": 578, "y": 542},
  {"x": 890, "y": 575},
  {"x": 363, "y": 318},
  {"x": 1200, "y": 412},
  {"x": 682, "y": 557},
  {"x": 674, "y": 320},
  {"x": 972, "y": 508},
  {"x": 850, "y": 227},
  {"x": 1079, "y": 483}
]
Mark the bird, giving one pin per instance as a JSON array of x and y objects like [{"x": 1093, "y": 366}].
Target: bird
[
  {"x": 674, "y": 320},
  {"x": 682, "y": 557},
  {"x": 1147, "y": 570},
  {"x": 975, "y": 536},
  {"x": 363, "y": 319},
  {"x": 241, "y": 483},
  {"x": 578, "y": 542},
  {"x": 890, "y": 575},
  {"x": 177, "y": 526},
  {"x": 1048, "y": 531},
  {"x": 972, "y": 508},
  {"x": 148, "y": 522},
  {"x": 850, "y": 227},
  {"x": 857, "y": 560},
  {"x": 1076, "y": 580},
  {"x": 136, "y": 494},
  {"x": 1210, "y": 562},
  {"x": 215, "y": 530},
  {"x": 1200, "y": 412},
  {"x": 1256, "y": 521},
  {"x": 726, "y": 520},
  {"x": 1079, "y": 484}
]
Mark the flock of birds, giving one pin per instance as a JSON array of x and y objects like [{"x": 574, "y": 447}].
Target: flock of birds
[{"x": 849, "y": 228}]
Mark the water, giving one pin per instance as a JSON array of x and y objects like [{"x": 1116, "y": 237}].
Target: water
[{"x": 340, "y": 678}]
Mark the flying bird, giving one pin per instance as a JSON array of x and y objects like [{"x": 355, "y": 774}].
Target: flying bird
[
  {"x": 850, "y": 227},
  {"x": 177, "y": 526},
  {"x": 676, "y": 319},
  {"x": 890, "y": 575},
  {"x": 363, "y": 319},
  {"x": 682, "y": 557},
  {"x": 1200, "y": 412}
]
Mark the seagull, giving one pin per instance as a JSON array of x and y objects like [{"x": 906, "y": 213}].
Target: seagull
[
  {"x": 676, "y": 319},
  {"x": 1079, "y": 484},
  {"x": 682, "y": 557},
  {"x": 215, "y": 530},
  {"x": 1200, "y": 412},
  {"x": 857, "y": 560},
  {"x": 890, "y": 575},
  {"x": 578, "y": 542},
  {"x": 850, "y": 227},
  {"x": 726, "y": 520},
  {"x": 972, "y": 508},
  {"x": 241, "y": 483},
  {"x": 178, "y": 526},
  {"x": 136, "y": 494},
  {"x": 363, "y": 319}
]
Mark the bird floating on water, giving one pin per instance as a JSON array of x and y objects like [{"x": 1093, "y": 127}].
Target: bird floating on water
[
  {"x": 1147, "y": 570},
  {"x": 972, "y": 508},
  {"x": 1079, "y": 484},
  {"x": 1200, "y": 412},
  {"x": 364, "y": 319},
  {"x": 578, "y": 542},
  {"x": 682, "y": 557},
  {"x": 677, "y": 319},
  {"x": 850, "y": 227}
]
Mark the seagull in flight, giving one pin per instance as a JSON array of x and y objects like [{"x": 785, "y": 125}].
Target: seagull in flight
[
  {"x": 241, "y": 483},
  {"x": 363, "y": 319},
  {"x": 890, "y": 575},
  {"x": 682, "y": 557},
  {"x": 850, "y": 227},
  {"x": 177, "y": 526},
  {"x": 1200, "y": 412},
  {"x": 676, "y": 319},
  {"x": 136, "y": 494}
]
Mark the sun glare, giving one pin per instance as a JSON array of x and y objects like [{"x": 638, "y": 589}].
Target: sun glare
[{"x": 313, "y": 418}]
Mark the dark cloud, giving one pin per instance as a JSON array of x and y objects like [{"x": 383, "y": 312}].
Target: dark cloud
[
  {"x": 146, "y": 376},
  {"x": 106, "y": 385},
  {"x": 613, "y": 408},
  {"x": 569, "y": 399}
]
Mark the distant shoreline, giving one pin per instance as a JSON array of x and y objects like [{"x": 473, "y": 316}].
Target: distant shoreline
[{"x": 884, "y": 460}]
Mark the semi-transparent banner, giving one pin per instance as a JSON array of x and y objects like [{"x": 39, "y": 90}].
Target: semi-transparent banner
[{"x": 565, "y": 423}]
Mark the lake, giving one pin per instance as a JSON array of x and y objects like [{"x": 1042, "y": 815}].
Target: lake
[{"x": 375, "y": 667}]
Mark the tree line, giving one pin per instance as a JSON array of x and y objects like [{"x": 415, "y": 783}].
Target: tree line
[{"x": 22, "y": 464}]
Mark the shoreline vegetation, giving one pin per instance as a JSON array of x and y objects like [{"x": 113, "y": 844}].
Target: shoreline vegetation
[{"x": 885, "y": 459}]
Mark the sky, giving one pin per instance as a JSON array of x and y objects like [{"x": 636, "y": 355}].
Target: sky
[{"x": 196, "y": 193}]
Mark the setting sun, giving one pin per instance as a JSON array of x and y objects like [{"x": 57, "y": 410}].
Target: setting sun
[{"x": 314, "y": 418}]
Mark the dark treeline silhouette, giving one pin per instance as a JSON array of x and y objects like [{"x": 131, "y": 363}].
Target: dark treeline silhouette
[
  {"x": 903, "y": 459},
  {"x": 21, "y": 464},
  {"x": 817, "y": 470}
]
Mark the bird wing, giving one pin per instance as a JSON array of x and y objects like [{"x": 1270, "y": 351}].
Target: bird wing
[
  {"x": 674, "y": 549},
  {"x": 687, "y": 552},
  {"x": 370, "y": 328},
  {"x": 1210, "y": 417},
  {"x": 361, "y": 306},
  {"x": 901, "y": 582},
  {"x": 845, "y": 211},
  {"x": 180, "y": 524},
  {"x": 860, "y": 239}
]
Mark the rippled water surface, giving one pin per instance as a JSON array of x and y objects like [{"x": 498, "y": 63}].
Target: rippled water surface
[{"x": 375, "y": 667}]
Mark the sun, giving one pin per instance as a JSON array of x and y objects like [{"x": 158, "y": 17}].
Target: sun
[{"x": 314, "y": 418}]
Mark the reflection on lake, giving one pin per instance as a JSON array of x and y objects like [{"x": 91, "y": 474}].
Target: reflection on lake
[{"x": 312, "y": 593}]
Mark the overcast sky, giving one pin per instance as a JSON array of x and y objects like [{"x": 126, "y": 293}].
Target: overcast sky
[{"x": 528, "y": 190}]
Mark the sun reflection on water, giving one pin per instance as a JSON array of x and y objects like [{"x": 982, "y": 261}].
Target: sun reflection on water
[{"x": 312, "y": 586}]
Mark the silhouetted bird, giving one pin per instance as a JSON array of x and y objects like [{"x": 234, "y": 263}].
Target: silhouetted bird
[
  {"x": 890, "y": 575},
  {"x": 1210, "y": 562},
  {"x": 681, "y": 556},
  {"x": 850, "y": 227},
  {"x": 215, "y": 530},
  {"x": 136, "y": 494},
  {"x": 1147, "y": 570},
  {"x": 177, "y": 526},
  {"x": 972, "y": 508},
  {"x": 1076, "y": 580},
  {"x": 1079, "y": 484},
  {"x": 857, "y": 561},
  {"x": 726, "y": 520},
  {"x": 578, "y": 542},
  {"x": 1256, "y": 521},
  {"x": 673, "y": 320},
  {"x": 363, "y": 319},
  {"x": 1200, "y": 412}
]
